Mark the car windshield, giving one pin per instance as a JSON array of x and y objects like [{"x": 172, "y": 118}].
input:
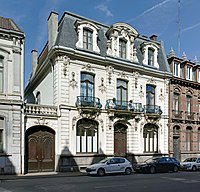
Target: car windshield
[
  {"x": 152, "y": 160},
  {"x": 104, "y": 160},
  {"x": 190, "y": 160}
]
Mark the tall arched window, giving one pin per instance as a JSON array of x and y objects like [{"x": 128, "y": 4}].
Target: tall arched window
[
  {"x": 150, "y": 136},
  {"x": 188, "y": 103},
  {"x": 122, "y": 93},
  {"x": 176, "y": 103},
  {"x": 150, "y": 98},
  {"x": 188, "y": 139},
  {"x": 1, "y": 73},
  {"x": 87, "y": 84},
  {"x": 87, "y": 136}
]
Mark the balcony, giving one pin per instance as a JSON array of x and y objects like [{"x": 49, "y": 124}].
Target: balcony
[
  {"x": 124, "y": 105},
  {"x": 88, "y": 101},
  {"x": 152, "y": 109},
  {"x": 176, "y": 114},
  {"x": 123, "y": 109},
  {"x": 40, "y": 110},
  {"x": 88, "y": 106},
  {"x": 189, "y": 115}
]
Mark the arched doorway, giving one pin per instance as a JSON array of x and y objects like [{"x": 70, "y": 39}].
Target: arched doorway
[
  {"x": 120, "y": 140},
  {"x": 40, "y": 149}
]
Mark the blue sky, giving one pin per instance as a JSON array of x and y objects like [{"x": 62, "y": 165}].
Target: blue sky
[{"x": 148, "y": 17}]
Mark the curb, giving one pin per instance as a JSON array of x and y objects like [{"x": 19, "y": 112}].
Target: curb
[{"x": 40, "y": 175}]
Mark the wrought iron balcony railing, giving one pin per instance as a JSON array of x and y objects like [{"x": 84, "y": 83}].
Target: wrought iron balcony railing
[
  {"x": 152, "y": 109},
  {"x": 88, "y": 101},
  {"x": 124, "y": 105}
]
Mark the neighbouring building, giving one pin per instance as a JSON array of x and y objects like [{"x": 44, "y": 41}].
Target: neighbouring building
[
  {"x": 184, "y": 105},
  {"x": 11, "y": 96},
  {"x": 95, "y": 91}
]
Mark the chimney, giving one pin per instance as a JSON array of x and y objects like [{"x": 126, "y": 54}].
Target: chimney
[
  {"x": 34, "y": 60},
  {"x": 52, "y": 29},
  {"x": 154, "y": 37}
]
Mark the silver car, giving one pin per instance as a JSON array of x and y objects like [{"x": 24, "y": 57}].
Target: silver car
[
  {"x": 110, "y": 165},
  {"x": 192, "y": 163}
]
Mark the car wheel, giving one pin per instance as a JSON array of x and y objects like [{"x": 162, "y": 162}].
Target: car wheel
[
  {"x": 194, "y": 168},
  {"x": 101, "y": 172},
  {"x": 152, "y": 170},
  {"x": 128, "y": 171},
  {"x": 175, "y": 169}
]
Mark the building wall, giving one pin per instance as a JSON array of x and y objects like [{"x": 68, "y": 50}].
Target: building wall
[{"x": 11, "y": 98}]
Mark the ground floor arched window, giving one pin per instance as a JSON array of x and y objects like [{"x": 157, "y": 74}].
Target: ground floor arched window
[
  {"x": 87, "y": 136},
  {"x": 150, "y": 136}
]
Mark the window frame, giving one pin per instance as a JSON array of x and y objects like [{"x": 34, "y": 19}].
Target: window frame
[
  {"x": 2, "y": 129},
  {"x": 188, "y": 138},
  {"x": 86, "y": 136},
  {"x": 87, "y": 39},
  {"x": 150, "y": 137},
  {"x": 149, "y": 92},
  {"x": 122, "y": 48},
  {"x": 176, "y": 69},
  {"x": 176, "y": 100},
  {"x": 1, "y": 74},
  {"x": 188, "y": 72},
  {"x": 151, "y": 56}
]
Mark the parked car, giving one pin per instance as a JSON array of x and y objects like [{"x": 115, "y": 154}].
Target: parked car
[
  {"x": 192, "y": 163},
  {"x": 158, "y": 164},
  {"x": 110, "y": 165}
]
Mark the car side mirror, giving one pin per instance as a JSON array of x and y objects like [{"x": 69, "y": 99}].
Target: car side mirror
[{"x": 108, "y": 163}]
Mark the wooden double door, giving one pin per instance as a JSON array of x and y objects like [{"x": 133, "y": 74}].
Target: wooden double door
[{"x": 40, "y": 149}]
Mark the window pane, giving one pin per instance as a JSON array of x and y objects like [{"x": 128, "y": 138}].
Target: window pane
[
  {"x": 122, "y": 48},
  {"x": 1, "y": 74},
  {"x": 87, "y": 39},
  {"x": 150, "y": 57}
]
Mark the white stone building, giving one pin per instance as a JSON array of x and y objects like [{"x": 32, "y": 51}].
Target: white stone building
[
  {"x": 11, "y": 96},
  {"x": 95, "y": 91}
]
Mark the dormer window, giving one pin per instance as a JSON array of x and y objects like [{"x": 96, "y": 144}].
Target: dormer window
[
  {"x": 122, "y": 48},
  {"x": 176, "y": 69},
  {"x": 87, "y": 39},
  {"x": 87, "y": 36},
  {"x": 189, "y": 73},
  {"x": 150, "y": 53},
  {"x": 120, "y": 42}
]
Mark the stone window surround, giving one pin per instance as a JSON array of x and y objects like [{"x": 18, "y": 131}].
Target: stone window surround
[{"x": 81, "y": 25}]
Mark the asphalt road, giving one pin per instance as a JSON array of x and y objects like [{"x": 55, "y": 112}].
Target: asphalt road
[{"x": 164, "y": 182}]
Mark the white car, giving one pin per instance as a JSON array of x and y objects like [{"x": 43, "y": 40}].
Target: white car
[
  {"x": 110, "y": 165},
  {"x": 192, "y": 163}
]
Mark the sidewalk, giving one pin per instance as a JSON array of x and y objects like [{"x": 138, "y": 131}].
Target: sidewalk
[{"x": 41, "y": 175}]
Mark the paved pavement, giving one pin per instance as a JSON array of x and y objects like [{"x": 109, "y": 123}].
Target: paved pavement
[{"x": 42, "y": 175}]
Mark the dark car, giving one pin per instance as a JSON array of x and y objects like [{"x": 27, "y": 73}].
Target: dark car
[{"x": 158, "y": 164}]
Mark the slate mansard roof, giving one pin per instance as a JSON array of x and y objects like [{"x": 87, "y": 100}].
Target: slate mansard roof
[
  {"x": 67, "y": 37},
  {"x": 8, "y": 24}
]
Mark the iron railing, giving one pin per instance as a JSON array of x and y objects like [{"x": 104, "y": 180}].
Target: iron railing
[
  {"x": 88, "y": 101},
  {"x": 152, "y": 109},
  {"x": 124, "y": 105}
]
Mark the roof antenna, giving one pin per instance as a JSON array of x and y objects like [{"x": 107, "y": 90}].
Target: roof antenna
[{"x": 179, "y": 28}]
